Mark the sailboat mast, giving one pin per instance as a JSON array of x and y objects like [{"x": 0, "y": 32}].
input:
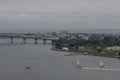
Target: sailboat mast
[{"x": 78, "y": 63}]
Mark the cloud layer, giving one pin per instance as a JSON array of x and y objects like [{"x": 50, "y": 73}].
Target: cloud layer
[{"x": 59, "y": 13}]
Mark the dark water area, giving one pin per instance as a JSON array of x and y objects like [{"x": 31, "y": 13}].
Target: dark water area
[{"x": 50, "y": 65}]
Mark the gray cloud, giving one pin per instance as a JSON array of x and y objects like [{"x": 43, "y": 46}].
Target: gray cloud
[{"x": 59, "y": 13}]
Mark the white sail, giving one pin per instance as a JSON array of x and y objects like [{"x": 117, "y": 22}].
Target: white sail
[
  {"x": 101, "y": 64},
  {"x": 78, "y": 63}
]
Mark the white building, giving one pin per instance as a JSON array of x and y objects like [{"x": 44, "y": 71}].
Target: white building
[
  {"x": 65, "y": 48},
  {"x": 115, "y": 48}
]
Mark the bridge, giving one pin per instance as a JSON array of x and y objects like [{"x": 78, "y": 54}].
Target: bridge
[{"x": 12, "y": 36}]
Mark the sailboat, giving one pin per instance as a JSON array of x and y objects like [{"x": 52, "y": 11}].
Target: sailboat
[
  {"x": 101, "y": 64},
  {"x": 101, "y": 67},
  {"x": 78, "y": 64}
]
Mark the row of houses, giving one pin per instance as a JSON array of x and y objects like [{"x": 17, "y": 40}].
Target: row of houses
[{"x": 113, "y": 49}]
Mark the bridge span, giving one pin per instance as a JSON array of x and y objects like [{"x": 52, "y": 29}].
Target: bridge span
[{"x": 24, "y": 37}]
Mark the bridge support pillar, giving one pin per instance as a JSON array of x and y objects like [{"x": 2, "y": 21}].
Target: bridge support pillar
[
  {"x": 36, "y": 41},
  {"x": 44, "y": 41},
  {"x": 24, "y": 40},
  {"x": 11, "y": 38}
]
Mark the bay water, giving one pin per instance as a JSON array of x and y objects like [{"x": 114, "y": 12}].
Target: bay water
[{"x": 50, "y": 65}]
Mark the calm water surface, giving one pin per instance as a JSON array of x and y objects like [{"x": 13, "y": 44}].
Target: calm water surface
[{"x": 50, "y": 65}]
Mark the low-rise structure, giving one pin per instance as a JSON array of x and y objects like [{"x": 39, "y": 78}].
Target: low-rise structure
[
  {"x": 65, "y": 48},
  {"x": 113, "y": 48}
]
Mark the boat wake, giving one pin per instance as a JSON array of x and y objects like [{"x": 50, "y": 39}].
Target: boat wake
[
  {"x": 101, "y": 67},
  {"x": 104, "y": 69}
]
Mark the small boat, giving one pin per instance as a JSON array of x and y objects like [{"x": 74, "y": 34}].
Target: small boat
[
  {"x": 101, "y": 65},
  {"x": 28, "y": 67}
]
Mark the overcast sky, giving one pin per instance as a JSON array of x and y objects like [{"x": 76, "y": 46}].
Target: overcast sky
[{"x": 59, "y": 14}]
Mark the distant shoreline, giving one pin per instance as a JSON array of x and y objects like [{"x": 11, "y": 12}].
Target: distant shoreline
[
  {"x": 82, "y": 30},
  {"x": 81, "y": 53}
]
